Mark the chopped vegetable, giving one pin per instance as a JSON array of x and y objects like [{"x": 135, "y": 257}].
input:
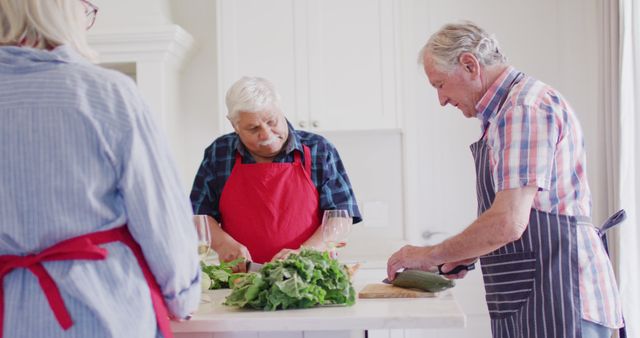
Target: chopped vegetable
[
  {"x": 302, "y": 280},
  {"x": 205, "y": 281},
  {"x": 221, "y": 274}
]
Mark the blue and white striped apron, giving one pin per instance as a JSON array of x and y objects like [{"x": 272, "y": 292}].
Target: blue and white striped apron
[{"x": 532, "y": 286}]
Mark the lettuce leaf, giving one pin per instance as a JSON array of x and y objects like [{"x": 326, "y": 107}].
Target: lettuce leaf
[{"x": 221, "y": 275}]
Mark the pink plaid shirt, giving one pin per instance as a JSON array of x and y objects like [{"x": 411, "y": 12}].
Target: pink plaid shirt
[{"x": 535, "y": 139}]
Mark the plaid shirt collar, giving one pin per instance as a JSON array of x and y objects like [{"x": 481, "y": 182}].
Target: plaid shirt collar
[
  {"x": 492, "y": 99},
  {"x": 292, "y": 143}
]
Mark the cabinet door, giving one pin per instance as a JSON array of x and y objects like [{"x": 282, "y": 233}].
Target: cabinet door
[
  {"x": 256, "y": 38},
  {"x": 352, "y": 57},
  {"x": 333, "y": 61}
]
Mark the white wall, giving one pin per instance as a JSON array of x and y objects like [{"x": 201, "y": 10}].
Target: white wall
[
  {"x": 198, "y": 85},
  {"x": 121, "y": 15}
]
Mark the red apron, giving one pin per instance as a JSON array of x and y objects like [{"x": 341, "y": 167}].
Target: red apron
[
  {"x": 270, "y": 206},
  {"x": 85, "y": 247}
]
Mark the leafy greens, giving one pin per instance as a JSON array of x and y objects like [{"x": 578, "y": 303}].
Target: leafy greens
[
  {"x": 221, "y": 275},
  {"x": 302, "y": 280}
]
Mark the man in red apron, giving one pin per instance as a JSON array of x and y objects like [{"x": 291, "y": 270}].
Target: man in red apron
[
  {"x": 266, "y": 185},
  {"x": 546, "y": 271}
]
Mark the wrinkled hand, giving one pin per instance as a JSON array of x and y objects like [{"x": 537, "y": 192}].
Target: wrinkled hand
[
  {"x": 284, "y": 253},
  {"x": 229, "y": 249},
  {"x": 410, "y": 257},
  {"x": 451, "y": 265}
]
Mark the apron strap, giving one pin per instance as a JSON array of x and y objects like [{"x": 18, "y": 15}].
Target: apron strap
[
  {"x": 157, "y": 300},
  {"x": 612, "y": 221},
  {"x": 307, "y": 159},
  {"x": 296, "y": 157}
]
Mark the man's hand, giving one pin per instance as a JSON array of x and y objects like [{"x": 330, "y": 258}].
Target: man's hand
[
  {"x": 452, "y": 265},
  {"x": 229, "y": 249},
  {"x": 503, "y": 223},
  {"x": 284, "y": 253},
  {"x": 410, "y": 257}
]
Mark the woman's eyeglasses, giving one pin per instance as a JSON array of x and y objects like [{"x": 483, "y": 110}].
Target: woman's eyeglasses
[{"x": 91, "y": 11}]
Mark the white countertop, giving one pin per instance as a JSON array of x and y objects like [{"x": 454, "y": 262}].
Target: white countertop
[{"x": 366, "y": 314}]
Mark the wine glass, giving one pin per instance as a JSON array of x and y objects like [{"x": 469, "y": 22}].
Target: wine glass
[
  {"x": 336, "y": 225},
  {"x": 203, "y": 228}
]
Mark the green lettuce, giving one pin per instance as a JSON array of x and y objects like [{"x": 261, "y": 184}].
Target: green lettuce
[
  {"x": 221, "y": 275},
  {"x": 303, "y": 280}
]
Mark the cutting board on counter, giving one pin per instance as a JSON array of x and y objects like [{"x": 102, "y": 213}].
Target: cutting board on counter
[{"x": 380, "y": 290}]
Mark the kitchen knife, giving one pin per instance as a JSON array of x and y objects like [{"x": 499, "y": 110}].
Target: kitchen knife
[
  {"x": 253, "y": 266},
  {"x": 454, "y": 271}
]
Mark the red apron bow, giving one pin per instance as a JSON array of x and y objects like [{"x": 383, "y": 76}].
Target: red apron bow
[{"x": 81, "y": 247}]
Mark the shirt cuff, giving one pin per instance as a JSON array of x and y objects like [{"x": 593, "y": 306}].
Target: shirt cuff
[
  {"x": 186, "y": 301},
  {"x": 515, "y": 183}
]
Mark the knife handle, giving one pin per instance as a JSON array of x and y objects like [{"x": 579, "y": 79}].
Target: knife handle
[{"x": 457, "y": 269}]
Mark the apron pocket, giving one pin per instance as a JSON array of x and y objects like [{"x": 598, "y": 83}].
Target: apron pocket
[{"x": 508, "y": 281}]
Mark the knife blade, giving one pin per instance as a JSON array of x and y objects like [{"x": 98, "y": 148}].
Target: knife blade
[{"x": 253, "y": 266}]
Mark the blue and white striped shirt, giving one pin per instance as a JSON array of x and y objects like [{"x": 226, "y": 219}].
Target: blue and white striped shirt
[{"x": 79, "y": 154}]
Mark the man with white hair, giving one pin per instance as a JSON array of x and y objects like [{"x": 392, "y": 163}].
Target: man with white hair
[
  {"x": 266, "y": 185},
  {"x": 546, "y": 271}
]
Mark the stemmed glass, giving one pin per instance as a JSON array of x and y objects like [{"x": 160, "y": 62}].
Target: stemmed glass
[
  {"x": 203, "y": 228},
  {"x": 336, "y": 225}
]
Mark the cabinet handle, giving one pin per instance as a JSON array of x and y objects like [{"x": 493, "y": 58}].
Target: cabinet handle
[
  {"x": 315, "y": 124},
  {"x": 302, "y": 124}
]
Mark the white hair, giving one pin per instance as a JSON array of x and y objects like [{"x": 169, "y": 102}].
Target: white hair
[
  {"x": 251, "y": 95},
  {"x": 45, "y": 24},
  {"x": 447, "y": 44}
]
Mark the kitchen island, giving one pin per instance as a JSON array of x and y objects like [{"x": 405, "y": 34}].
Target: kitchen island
[{"x": 376, "y": 316}]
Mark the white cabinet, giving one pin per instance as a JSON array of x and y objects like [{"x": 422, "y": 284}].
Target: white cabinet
[{"x": 333, "y": 61}]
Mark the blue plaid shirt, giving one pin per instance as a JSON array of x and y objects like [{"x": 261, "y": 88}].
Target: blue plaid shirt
[{"x": 327, "y": 172}]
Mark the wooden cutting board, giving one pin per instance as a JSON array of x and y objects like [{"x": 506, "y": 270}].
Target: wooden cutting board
[{"x": 380, "y": 290}]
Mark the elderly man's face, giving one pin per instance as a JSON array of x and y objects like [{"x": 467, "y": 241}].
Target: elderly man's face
[
  {"x": 460, "y": 88},
  {"x": 262, "y": 133}
]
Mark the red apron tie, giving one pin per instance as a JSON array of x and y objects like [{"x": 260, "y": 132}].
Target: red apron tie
[{"x": 83, "y": 247}]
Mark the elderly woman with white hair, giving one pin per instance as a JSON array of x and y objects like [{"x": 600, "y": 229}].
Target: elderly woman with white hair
[
  {"x": 265, "y": 185},
  {"x": 96, "y": 235}
]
